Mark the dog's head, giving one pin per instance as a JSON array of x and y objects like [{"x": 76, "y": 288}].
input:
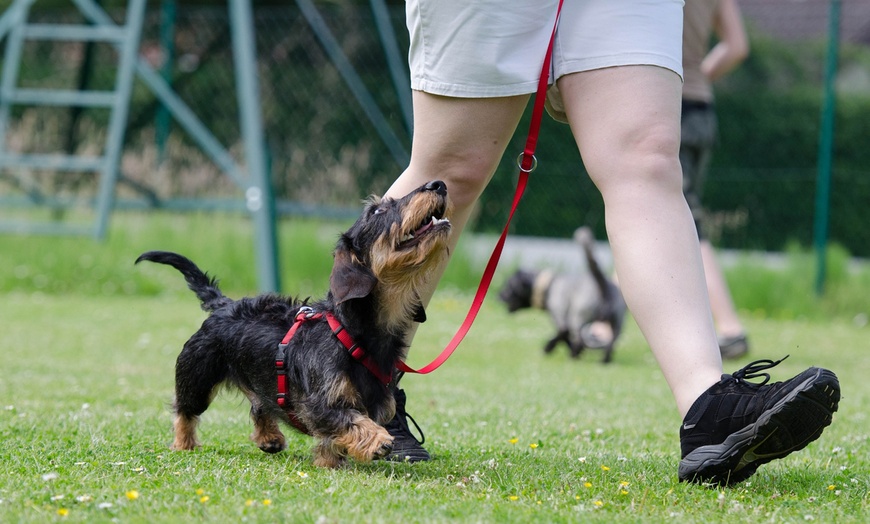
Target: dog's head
[
  {"x": 392, "y": 249},
  {"x": 517, "y": 290}
]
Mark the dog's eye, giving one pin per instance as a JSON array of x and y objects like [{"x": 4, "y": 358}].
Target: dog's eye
[{"x": 379, "y": 210}]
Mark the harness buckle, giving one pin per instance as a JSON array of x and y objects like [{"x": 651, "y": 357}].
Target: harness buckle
[
  {"x": 281, "y": 372},
  {"x": 305, "y": 313}
]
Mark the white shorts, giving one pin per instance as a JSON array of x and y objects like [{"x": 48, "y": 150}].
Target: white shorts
[{"x": 492, "y": 48}]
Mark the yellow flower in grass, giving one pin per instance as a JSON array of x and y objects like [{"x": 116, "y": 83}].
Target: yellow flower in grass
[
  {"x": 605, "y": 468},
  {"x": 249, "y": 503},
  {"x": 200, "y": 492},
  {"x": 203, "y": 499},
  {"x": 832, "y": 487},
  {"x": 514, "y": 440},
  {"x": 267, "y": 502},
  {"x": 598, "y": 503},
  {"x": 132, "y": 494},
  {"x": 587, "y": 484},
  {"x": 63, "y": 512},
  {"x": 533, "y": 445},
  {"x": 514, "y": 497}
]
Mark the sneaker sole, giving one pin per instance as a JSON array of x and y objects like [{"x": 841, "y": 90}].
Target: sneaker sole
[
  {"x": 796, "y": 420},
  {"x": 420, "y": 455}
]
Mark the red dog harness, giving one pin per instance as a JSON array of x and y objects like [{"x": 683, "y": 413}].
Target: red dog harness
[{"x": 357, "y": 352}]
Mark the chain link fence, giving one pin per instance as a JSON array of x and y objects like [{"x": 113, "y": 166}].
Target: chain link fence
[{"x": 325, "y": 154}]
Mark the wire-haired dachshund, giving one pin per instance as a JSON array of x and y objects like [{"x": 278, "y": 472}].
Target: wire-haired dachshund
[{"x": 321, "y": 367}]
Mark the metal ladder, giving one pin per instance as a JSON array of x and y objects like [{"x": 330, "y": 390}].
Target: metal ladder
[{"x": 126, "y": 40}]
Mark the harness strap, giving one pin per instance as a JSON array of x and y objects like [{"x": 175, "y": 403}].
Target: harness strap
[
  {"x": 281, "y": 355},
  {"x": 527, "y": 163},
  {"x": 355, "y": 350}
]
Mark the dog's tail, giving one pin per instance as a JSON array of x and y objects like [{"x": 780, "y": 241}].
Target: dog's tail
[
  {"x": 586, "y": 239},
  {"x": 205, "y": 287}
]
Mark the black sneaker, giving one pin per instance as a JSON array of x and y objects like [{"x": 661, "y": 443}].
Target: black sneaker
[
  {"x": 734, "y": 347},
  {"x": 406, "y": 447},
  {"x": 736, "y": 426}
]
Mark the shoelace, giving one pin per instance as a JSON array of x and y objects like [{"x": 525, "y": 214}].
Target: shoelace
[
  {"x": 754, "y": 369},
  {"x": 402, "y": 418}
]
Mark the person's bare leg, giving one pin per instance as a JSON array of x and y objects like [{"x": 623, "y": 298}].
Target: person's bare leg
[
  {"x": 627, "y": 124},
  {"x": 724, "y": 312},
  {"x": 459, "y": 141}
]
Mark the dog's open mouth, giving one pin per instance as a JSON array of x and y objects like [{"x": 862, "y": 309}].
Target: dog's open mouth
[{"x": 434, "y": 222}]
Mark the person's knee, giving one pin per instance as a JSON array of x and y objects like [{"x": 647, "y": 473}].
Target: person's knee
[
  {"x": 647, "y": 158},
  {"x": 466, "y": 176}
]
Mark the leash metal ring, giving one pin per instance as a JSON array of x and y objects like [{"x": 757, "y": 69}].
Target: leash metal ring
[{"x": 520, "y": 163}]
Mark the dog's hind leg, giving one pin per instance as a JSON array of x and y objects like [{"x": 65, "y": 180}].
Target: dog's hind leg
[
  {"x": 198, "y": 372},
  {"x": 576, "y": 349},
  {"x": 608, "y": 354},
  {"x": 561, "y": 336},
  {"x": 576, "y": 344},
  {"x": 267, "y": 435},
  {"x": 185, "y": 433}
]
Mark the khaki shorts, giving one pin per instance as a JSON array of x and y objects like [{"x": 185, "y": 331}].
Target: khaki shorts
[{"x": 493, "y": 48}]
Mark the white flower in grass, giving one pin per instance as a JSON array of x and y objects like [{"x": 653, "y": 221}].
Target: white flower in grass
[
  {"x": 104, "y": 505},
  {"x": 48, "y": 477}
]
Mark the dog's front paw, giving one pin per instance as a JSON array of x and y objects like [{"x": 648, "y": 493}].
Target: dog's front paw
[
  {"x": 328, "y": 455},
  {"x": 367, "y": 441},
  {"x": 384, "y": 450}
]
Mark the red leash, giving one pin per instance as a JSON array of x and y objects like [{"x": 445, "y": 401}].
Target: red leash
[{"x": 526, "y": 165}]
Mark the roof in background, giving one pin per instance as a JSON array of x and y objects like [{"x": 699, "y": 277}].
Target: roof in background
[{"x": 808, "y": 19}]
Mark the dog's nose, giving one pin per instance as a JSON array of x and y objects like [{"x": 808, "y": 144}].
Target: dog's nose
[{"x": 437, "y": 186}]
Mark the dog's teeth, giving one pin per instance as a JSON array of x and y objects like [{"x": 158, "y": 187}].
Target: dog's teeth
[{"x": 409, "y": 236}]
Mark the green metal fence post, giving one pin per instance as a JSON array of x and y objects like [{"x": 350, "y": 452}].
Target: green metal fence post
[
  {"x": 826, "y": 143},
  {"x": 163, "y": 119},
  {"x": 258, "y": 195}
]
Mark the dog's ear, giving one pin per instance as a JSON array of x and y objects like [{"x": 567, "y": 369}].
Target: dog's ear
[
  {"x": 349, "y": 278},
  {"x": 419, "y": 313}
]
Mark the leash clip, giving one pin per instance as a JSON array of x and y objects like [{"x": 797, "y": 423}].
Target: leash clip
[{"x": 521, "y": 157}]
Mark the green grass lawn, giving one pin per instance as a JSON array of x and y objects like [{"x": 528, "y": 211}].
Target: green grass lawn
[{"x": 86, "y": 381}]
